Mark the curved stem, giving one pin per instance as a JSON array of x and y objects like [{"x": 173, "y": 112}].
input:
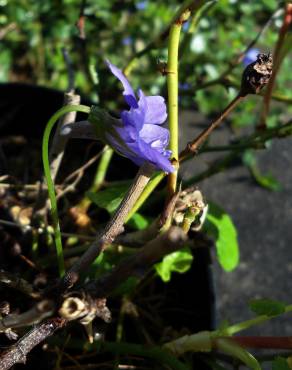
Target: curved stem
[
  {"x": 51, "y": 189},
  {"x": 234, "y": 350}
]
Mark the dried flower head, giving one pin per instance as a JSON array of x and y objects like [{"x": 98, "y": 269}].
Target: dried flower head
[{"x": 257, "y": 74}]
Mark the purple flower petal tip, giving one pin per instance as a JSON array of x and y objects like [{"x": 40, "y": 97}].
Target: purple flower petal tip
[{"x": 139, "y": 137}]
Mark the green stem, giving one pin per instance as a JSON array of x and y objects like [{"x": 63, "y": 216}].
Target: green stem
[
  {"x": 249, "y": 323},
  {"x": 50, "y": 183},
  {"x": 99, "y": 177},
  {"x": 156, "y": 353},
  {"x": 234, "y": 350},
  {"x": 191, "y": 5},
  {"x": 172, "y": 89},
  {"x": 102, "y": 167},
  {"x": 162, "y": 356}
]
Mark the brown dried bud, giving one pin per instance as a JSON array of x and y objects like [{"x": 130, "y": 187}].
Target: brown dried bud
[
  {"x": 257, "y": 74},
  {"x": 4, "y": 308}
]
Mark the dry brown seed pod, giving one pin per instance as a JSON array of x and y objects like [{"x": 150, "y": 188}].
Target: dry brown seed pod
[{"x": 257, "y": 74}]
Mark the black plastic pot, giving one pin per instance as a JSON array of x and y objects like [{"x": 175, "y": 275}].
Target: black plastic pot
[{"x": 24, "y": 111}]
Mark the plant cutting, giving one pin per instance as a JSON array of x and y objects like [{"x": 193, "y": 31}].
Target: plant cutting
[{"x": 113, "y": 288}]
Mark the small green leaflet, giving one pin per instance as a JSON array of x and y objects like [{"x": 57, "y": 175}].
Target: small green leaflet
[
  {"x": 111, "y": 197},
  {"x": 267, "y": 307},
  {"x": 267, "y": 180},
  {"x": 138, "y": 221},
  {"x": 179, "y": 261},
  {"x": 280, "y": 363},
  {"x": 219, "y": 225}
]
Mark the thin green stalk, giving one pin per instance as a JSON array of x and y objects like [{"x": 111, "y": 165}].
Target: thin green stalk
[
  {"x": 249, "y": 323},
  {"x": 99, "y": 177},
  {"x": 191, "y": 5},
  {"x": 51, "y": 189},
  {"x": 102, "y": 167},
  {"x": 155, "y": 353},
  {"x": 162, "y": 356}
]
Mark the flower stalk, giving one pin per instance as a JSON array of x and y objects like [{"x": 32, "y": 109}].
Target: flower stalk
[
  {"x": 50, "y": 182},
  {"x": 172, "y": 89}
]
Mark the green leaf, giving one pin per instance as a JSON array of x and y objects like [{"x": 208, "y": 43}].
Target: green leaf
[
  {"x": 138, "y": 221},
  {"x": 267, "y": 307},
  {"x": 280, "y": 363},
  {"x": 267, "y": 181},
  {"x": 219, "y": 225},
  {"x": 179, "y": 261},
  {"x": 111, "y": 197}
]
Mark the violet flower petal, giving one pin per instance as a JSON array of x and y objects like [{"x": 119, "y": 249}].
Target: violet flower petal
[
  {"x": 136, "y": 116},
  {"x": 156, "y": 136},
  {"x": 155, "y": 157},
  {"x": 128, "y": 93},
  {"x": 156, "y": 110}
]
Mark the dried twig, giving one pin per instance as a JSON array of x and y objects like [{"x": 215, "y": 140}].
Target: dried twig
[
  {"x": 18, "y": 352},
  {"x": 139, "y": 263},
  {"x": 277, "y": 63},
  {"x": 40, "y": 311},
  {"x": 15, "y": 282},
  {"x": 113, "y": 228},
  {"x": 255, "y": 76}
]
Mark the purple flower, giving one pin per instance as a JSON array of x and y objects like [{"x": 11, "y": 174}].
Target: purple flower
[
  {"x": 141, "y": 5},
  {"x": 127, "y": 40},
  {"x": 137, "y": 135},
  {"x": 250, "y": 56}
]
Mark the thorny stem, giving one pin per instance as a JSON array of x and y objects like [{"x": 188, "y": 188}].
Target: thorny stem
[
  {"x": 277, "y": 62},
  {"x": 193, "y": 146},
  {"x": 50, "y": 183},
  {"x": 114, "y": 226}
]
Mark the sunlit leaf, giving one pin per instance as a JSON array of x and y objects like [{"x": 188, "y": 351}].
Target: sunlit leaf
[
  {"x": 267, "y": 180},
  {"x": 111, "y": 197},
  {"x": 219, "y": 225},
  {"x": 179, "y": 261}
]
